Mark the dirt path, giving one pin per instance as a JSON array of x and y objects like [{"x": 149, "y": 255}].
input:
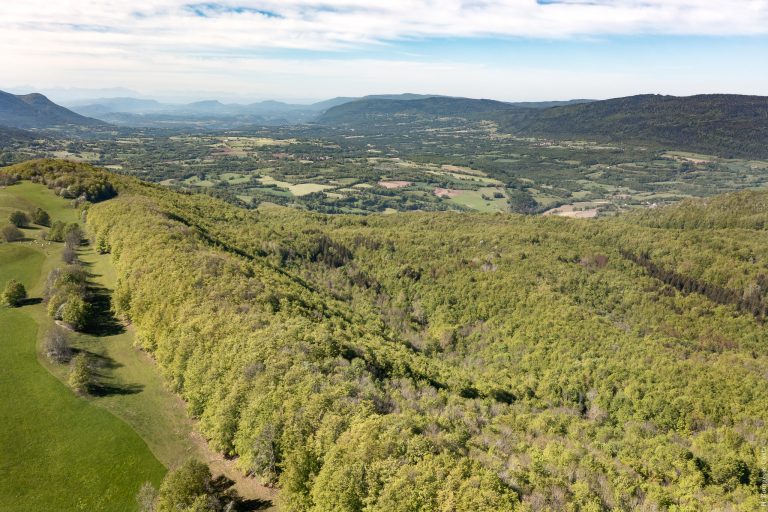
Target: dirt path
[{"x": 259, "y": 496}]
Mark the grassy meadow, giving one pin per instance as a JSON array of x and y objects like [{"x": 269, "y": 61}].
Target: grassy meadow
[
  {"x": 128, "y": 431},
  {"x": 57, "y": 451}
]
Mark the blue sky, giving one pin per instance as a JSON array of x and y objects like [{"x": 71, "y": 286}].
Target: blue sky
[{"x": 307, "y": 49}]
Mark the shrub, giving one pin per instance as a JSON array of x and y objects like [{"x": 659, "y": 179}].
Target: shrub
[
  {"x": 80, "y": 374},
  {"x": 11, "y": 233},
  {"x": 69, "y": 256},
  {"x": 14, "y": 293},
  {"x": 64, "y": 281},
  {"x": 8, "y": 179},
  {"x": 191, "y": 487},
  {"x": 18, "y": 219},
  {"x": 41, "y": 217},
  {"x": 56, "y": 233},
  {"x": 76, "y": 312},
  {"x": 56, "y": 345},
  {"x": 73, "y": 238},
  {"x": 146, "y": 498}
]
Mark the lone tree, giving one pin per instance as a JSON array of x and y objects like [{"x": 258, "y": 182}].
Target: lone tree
[
  {"x": 80, "y": 374},
  {"x": 18, "y": 219},
  {"x": 14, "y": 293},
  {"x": 57, "y": 345},
  {"x": 11, "y": 233},
  {"x": 41, "y": 217}
]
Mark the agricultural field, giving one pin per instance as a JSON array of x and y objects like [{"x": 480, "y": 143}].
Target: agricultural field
[{"x": 334, "y": 171}]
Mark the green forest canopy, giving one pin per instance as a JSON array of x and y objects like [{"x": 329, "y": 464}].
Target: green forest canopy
[{"x": 454, "y": 361}]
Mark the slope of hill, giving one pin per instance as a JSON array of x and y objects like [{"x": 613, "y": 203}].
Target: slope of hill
[
  {"x": 369, "y": 110},
  {"x": 10, "y": 135},
  {"x": 59, "y": 452},
  {"x": 450, "y": 361},
  {"x": 103, "y": 106},
  {"x": 35, "y": 111},
  {"x": 550, "y": 104},
  {"x": 729, "y": 125}
]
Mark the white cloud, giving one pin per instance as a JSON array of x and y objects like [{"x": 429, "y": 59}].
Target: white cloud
[
  {"x": 172, "y": 43},
  {"x": 164, "y": 25}
]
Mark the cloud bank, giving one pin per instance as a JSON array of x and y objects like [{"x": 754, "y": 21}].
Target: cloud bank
[
  {"x": 159, "y": 37},
  {"x": 343, "y": 24}
]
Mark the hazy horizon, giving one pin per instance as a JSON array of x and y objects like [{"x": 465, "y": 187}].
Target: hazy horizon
[{"x": 82, "y": 96}]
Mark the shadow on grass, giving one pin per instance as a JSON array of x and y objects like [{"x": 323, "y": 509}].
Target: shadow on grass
[
  {"x": 103, "y": 321},
  {"x": 31, "y": 301},
  {"x": 255, "y": 504},
  {"x": 87, "y": 264},
  {"x": 101, "y": 384},
  {"x": 101, "y": 389},
  {"x": 100, "y": 361},
  {"x": 222, "y": 486}
]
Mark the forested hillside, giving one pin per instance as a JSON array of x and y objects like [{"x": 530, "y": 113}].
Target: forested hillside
[
  {"x": 454, "y": 361},
  {"x": 373, "y": 110},
  {"x": 727, "y": 125}
]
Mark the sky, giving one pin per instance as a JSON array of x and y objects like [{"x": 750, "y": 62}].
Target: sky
[{"x": 305, "y": 50}]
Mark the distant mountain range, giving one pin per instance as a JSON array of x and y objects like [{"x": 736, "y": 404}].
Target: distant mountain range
[
  {"x": 723, "y": 124},
  {"x": 35, "y": 111},
  {"x": 212, "y": 114}
]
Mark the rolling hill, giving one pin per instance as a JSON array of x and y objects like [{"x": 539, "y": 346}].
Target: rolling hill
[
  {"x": 213, "y": 114},
  {"x": 727, "y": 124},
  {"x": 378, "y": 110},
  {"x": 35, "y": 111}
]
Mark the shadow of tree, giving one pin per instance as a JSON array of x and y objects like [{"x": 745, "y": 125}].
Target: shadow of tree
[
  {"x": 102, "y": 321},
  {"x": 100, "y": 389},
  {"x": 101, "y": 385},
  {"x": 221, "y": 483},
  {"x": 101, "y": 361},
  {"x": 255, "y": 504},
  {"x": 222, "y": 486}
]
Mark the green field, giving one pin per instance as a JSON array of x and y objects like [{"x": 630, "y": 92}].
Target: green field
[
  {"x": 474, "y": 199},
  {"x": 26, "y": 196},
  {"x": 60, "y": 452},
  {"x": 135, "y": 393},
  {"x": 57, "y": 451}
]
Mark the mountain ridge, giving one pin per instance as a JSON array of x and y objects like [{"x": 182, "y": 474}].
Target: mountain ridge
[
  {"x": 36, "y": 111},
  {"x": 708, "y": 122}
]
